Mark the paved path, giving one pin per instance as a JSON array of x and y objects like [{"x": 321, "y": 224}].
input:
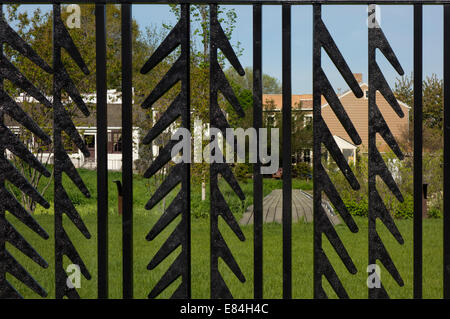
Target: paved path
[{"x": 302, "y": 208}]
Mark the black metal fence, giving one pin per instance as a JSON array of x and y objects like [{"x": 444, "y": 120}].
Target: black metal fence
[{"x": 180, "y": 173}]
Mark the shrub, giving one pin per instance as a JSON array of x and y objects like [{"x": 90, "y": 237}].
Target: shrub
[
  {"x": 360, "y": 207},
  {"x": 243, "y": 171},
  {"x": 301, "y": 170},
  {"x": 199, "y": 208},
  {"x": 357, "y": 207},
  {"x": 301, "y": 184},
  {"x": 435, "y": 213},
  {"x": 405, "y": 210}
]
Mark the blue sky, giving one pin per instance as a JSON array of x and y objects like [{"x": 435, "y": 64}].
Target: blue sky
[{"x": 347, "y": 25}]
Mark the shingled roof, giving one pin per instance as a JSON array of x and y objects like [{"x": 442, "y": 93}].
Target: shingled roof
[
  {"x": 304, "y": 99},
  {"x": 114, "y": 113}
]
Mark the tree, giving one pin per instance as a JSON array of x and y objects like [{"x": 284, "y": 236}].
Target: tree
[
  {"x": 433, "y": 102},
  {"x": 36, "y": 29},
  {"x": 245, "y": 98},
  {"x": 270, "y": 84},
  {"x": 432, "y": 91},
  {"x": 200, "y": 32},
  {"x": 404, "y": 87}
]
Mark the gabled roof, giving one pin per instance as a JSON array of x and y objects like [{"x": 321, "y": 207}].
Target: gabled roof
[
  {"x": 366, "y": 85},
  {"x": 344, "y": 141},
  {"x": 114, "y": 116},
  {"x": 306, "y": 99}
]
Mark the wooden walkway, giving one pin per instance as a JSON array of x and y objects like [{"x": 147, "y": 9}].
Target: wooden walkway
[{"x": 302, "y": 209}]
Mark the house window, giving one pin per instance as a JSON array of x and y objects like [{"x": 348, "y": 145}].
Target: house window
[
  {"x": 307, "y": 156},
  {"x": 115, "y": 141},
  {"x": 348, "y": 154},
  {"x": 270, "y": 120},
  {"x": 89, "y": 140},
  {"x": 366, "y": 94},
  {"x": 307, "y": 120}
]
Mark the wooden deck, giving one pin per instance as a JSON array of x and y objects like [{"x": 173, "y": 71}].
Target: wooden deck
[{"x": 302, "y": 209}]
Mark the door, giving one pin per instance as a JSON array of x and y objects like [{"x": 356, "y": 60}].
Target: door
[{"x": 89, "y": 139}]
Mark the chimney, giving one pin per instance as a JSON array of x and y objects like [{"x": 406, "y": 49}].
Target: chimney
[{"x": 358, "y": 77}]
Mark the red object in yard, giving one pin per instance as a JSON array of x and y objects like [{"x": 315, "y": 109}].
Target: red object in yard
[
  {"x": 278, "y": 174},
  {"x": 424, "y": 201},
  {"x": 119, "y": 196},
  {"x": 119, "y": 201}
]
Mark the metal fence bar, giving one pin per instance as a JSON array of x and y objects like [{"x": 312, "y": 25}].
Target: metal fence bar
[
  {"x": 3, "y": 269},
  {"x": 323, "y": 227},
  {"x": 286, "y": 137},
  {"x": 179, "y": 36},
  {"x": 186, "y": 122},
  {"x": 446, "y": 151},
  {"x": 216, "y": 280},
  {"x": 8, "y": 140},
  {"x": 377, "y": 166},
  {"x": 219, "y": 124},
  {"x": 2, "y": 209},
  {"x": 257, "y": 177},
  {"x": 418, "y": 26},
  {"x": 62, "y": 122},
  {"x": 58, "y": 148},
  {"x": 127, "y": 152},
  {"x": 317, "y": 158},
  {"x": 102, "y": 152}
]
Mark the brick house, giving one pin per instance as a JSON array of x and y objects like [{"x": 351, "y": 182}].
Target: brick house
[{"x": 357, "y": 110}]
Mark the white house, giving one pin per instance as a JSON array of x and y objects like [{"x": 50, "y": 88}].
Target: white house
[{"x": 88, "y": 131}]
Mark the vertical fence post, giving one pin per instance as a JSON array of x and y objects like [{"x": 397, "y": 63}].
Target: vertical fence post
[
  {"x": 446, "y": 151},
  {"x": 102, "y": 151},
  {"x": 218, "y": 204},
  {"x": 62, "y": 122},
  {"x": 213, "y": 182},
  {"x": 371, "y": 100},
  {"x": 287, "y": 182},
  {"x": 257, "y": 177},
  {"x": 377, "y": 166},
  {"x": 186, "y": 122},
  {"x": 323, "y": 226},
  {"x": 418, "y": 151},
  {"x": 179, "y": 36},
  {"x": 2, "y": 209},
  {"x": 8, "y": 140},
  {"x": 127, "y": 155},
  {"x": 317, "y": 157},
  {"x": 58, "y": 148}
]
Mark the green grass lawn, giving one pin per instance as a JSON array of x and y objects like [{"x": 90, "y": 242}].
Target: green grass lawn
[{"x": 302, "y": 254}]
